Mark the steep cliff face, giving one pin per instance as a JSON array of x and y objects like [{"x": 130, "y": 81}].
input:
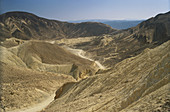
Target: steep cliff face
[{"x": 24, "y": 25}]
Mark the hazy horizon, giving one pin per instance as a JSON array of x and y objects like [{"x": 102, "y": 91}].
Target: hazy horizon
[{"x": 73, "y": 10}]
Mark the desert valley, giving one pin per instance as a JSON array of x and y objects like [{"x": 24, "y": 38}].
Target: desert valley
[{"x": 53, "y": 66}]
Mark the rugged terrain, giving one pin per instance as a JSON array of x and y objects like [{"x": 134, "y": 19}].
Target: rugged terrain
[
  {"x": 84, "y": 67},
  {"x": 139, "y": 83},
  {"x": 31, "y": 71},
  {"x": 117, "y": 46},
  {"x": 29, "y": 26},
  {"x": 22, "y": 88}
]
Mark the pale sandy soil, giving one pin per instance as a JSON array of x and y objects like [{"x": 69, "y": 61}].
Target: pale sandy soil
[
  {"x": 136, "y": 84},
  {"x": 81, "y": 53},
  {"x": 37, "y": 107},
  {"x": 50, "y": 98}
]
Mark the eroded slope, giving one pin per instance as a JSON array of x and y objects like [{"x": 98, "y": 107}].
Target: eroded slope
[
  {"x": 31, "y": 71},
  {"x": 25, "y": 25},
  {"x": 124, "y": 88},
  {"x": 45, "y": 56},
  {"x": 23, "y": 88},
  {"x": 112, "y": 48}
]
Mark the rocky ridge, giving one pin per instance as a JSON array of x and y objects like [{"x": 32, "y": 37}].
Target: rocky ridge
[
  {"x": 28, "y": 26},
  {"x": 114, "y": 47}
]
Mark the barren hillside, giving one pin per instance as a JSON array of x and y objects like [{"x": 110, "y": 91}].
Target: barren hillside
[
  {"x": 32, "y": 70},
  {"x": 117, "y": 46},
  {"x": 139, "y": 83},
  {"x": 83, "y": 67},
  {"x": 27, "y": 26}
]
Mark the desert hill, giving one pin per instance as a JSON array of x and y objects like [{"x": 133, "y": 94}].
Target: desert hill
[
  {"x": 27, "y": 26},
  {"x": 22, "y": 87},
  {"x": 155, "y": 29},
  {"x": 122, "y": 44},
  {"x": 139, "y": 83},
  {"x": 37, "y": 68},
  {"x": 31, "y": 71},
  {"x": 117, "y": 24},
  {"x": 45, "y": 56},
  {"x": 138, "y": 78}
]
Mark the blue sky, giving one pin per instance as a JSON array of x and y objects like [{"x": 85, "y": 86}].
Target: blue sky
[{"x": 88, "y": 9}]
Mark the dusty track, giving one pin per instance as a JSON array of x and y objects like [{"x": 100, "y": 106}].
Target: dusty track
[
  {"x": 81, "y": 54},
  {"x": 37, "y": 107},
  {"x": 50, "y": 98}
]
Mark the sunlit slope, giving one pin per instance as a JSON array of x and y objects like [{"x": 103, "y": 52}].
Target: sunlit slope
[
  {"x": 139, "y": 83},
  {"x": 32, "y": 71}
]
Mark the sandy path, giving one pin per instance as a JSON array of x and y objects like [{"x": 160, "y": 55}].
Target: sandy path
[
  {"x": 37, "y": 107},
  {"x": 81, "y": 53},
  {"x": 45, "y": 103}
]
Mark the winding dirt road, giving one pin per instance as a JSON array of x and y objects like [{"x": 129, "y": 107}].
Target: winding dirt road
[
  {"x": 81, "y": 54},
  {"x": 45, "y": 103}
]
